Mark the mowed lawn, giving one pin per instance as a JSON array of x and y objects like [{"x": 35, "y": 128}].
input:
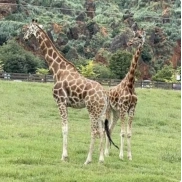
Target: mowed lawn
[{"x": 31, "y": 139}]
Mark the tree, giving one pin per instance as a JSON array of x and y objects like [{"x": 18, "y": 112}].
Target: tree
[
  {"x": 165, "y": 74},
  {"x": 146, "y": 54},
  {"x": 42, "y": 71},
  {"x": 102, "y": 71},
  {"x": 119, "y": 63},
  {"x": 87, "y": 70},
  {"x": 15, "y": 59},
  {"x": 1, "y": 66},
  {"x": 9, "y": 29}
]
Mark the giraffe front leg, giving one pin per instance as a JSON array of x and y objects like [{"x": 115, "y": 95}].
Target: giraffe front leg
[
  {"x": 65, "y": 141},
  {"x": 64, "y": 116},
  {"x": 96, "y": 128},
  {"x": 89, "y": 157},
  {"x": 129, "y": 134}
]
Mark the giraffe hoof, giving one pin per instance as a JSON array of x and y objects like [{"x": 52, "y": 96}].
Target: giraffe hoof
[
  {"x": 65, "y": 158},
  {"x": 106, "y": 153},
  {"x": 121, "y": 157},
  {"x": 129, "y": 158},
  {"x": 101, "y": 161},
  {"x": 87, "y": 162}
]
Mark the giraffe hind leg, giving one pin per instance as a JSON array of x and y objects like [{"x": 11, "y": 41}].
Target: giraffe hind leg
[
  {"x": 64, "y": 116},
  {"x": 122, "y": 134},
  {"x": 129, "y": 131},
  {"x": 89, "y": 157},
  {"x": 96, "y": 129},
  {"x": 129, "y": 134},
  {"x": 101, "y": 134},
  {"x": 111, "y": 127}
]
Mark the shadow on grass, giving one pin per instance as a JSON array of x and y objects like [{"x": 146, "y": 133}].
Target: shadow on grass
[{"x": 27, "y": 161}]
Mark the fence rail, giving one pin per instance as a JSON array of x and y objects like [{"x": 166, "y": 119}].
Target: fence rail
[{"x": 105, "y": 82}]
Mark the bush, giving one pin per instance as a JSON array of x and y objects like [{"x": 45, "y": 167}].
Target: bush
[
  {"x": 120, "y": 63},
  {"x": 88, "y": 70},
  {"x": 15, "y": 59},
  {"x": 1, "y": 66},
  {"x": 102, "y": 71},
  {"x": 146, "y": 54},
  {"x": 42, "y": 71},
  {"x": 165, "y": 74},
  {"x": 9, "y": 29}
]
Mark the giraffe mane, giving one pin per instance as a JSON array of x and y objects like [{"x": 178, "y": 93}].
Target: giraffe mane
[
  {"x": 130, "y": 75},
  {"x": 55, "y": 47}
]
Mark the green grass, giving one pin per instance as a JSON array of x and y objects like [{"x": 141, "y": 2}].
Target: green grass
[{"x": 31, "y": 140}]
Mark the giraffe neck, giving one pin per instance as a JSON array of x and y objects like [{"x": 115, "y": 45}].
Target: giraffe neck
[
  {"x": 130, "y": 77},
  {"x": 54, "y": 59}
]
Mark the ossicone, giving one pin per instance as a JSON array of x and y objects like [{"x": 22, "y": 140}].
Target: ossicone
[{"x": 34, "y": 21}]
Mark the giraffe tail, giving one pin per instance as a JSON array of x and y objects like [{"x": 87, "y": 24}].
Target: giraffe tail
[{"x": 108, "y": 133}]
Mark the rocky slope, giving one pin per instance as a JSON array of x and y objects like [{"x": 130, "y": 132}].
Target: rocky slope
[
  {"x": 7, "y": 8},
  {"x": 105, "y": 26}
]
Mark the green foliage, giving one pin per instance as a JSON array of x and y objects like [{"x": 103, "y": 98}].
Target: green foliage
[
  {"x": 165, "y": 74},
  {"x": 16, "y": 17},
  {"x": 120, "y": 63},
  {"x": 80, "y": 62},
  {"x": 109, "y": 14},
  {"x": 42, "y": 71},
  {"x": 172, "y": 32},
  {"x": 102, "y": 71},
  {"x": 159, "y": 64},
  {"x": 9, "y": 29},
  {"x": 176, "y": 72},
  {"x": 97, "y": 41},
  {"x": 146, "y": 54},
  {"x": 15, "y": 59},
  {"x": 1, "y": 65},
  {"x": 88, "y": 70},
  {"x": 144, "y": 12}
]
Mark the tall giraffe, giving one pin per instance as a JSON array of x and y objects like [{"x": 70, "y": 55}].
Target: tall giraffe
[
  {"x": 72, "y": 90},
  {"x": 123, "y": 100}
]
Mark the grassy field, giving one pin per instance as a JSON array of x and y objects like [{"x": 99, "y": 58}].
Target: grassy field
[{"x": 31, "y": 140}]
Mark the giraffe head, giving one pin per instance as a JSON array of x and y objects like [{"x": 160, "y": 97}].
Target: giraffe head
[
  {"x": 31, "y": 30},
  {"x": 139, "y": 38}
]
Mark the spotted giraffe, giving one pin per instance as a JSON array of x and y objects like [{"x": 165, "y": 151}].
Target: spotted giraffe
[
  {"x": 71, "y": 89},
  {"x": 122, "y": 101}
]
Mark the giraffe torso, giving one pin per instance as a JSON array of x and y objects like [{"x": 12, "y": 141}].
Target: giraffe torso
[
  {"x": 78, "y": 92},
  {"x": 122, "y": 96}
]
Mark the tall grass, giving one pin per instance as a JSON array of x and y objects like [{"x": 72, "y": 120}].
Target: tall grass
[{"x": 31, "y": 140}]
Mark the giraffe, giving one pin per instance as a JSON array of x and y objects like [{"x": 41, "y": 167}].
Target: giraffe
[
  {"x": 122, "y": 101},
  {"x": 71, "y": 89}
]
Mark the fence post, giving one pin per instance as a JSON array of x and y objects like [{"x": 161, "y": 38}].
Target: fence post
[
  {"x": 109, "y": 83},
  {"x": 45, "y": 78}
]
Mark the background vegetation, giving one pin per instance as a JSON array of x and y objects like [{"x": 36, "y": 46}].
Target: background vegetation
[
  {"x": 31, "y": 139},
  {"x": 80, "y": 36}
]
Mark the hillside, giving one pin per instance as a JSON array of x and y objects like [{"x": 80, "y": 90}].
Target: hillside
[{"x": 95, "y": 29}]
